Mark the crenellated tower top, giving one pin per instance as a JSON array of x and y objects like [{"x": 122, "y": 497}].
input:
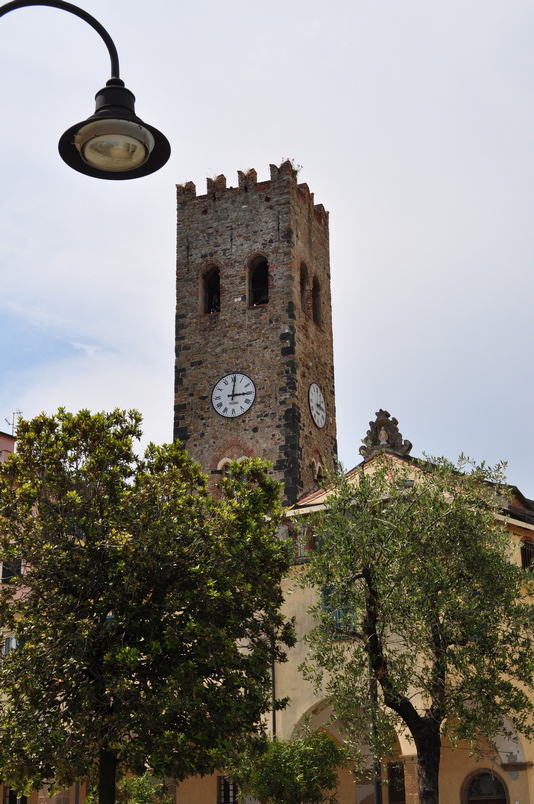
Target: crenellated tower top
[{"x": 248, "y": 181}]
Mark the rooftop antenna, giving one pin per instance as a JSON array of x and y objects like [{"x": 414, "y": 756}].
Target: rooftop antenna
[{"x": 13, "y": 424}]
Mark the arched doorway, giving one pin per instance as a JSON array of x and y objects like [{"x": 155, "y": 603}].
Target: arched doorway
[{"x": 486, "y": 788}]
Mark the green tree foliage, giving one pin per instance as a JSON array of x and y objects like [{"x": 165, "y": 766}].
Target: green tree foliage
[
  {"x": 145, "y": 789},
  {"x": 301, "y": 771},
  {"x": 423, "y": 620},
  {"x": 147, "y": 611}
]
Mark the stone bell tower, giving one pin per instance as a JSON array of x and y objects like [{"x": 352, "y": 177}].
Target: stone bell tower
[{"x": 254, "y": 360}]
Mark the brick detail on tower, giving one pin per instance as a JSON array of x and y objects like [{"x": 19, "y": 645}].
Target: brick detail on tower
[{"x": 253, "y": 296}]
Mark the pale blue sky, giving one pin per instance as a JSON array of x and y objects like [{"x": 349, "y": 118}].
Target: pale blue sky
[{"x": 414, "y": 121}]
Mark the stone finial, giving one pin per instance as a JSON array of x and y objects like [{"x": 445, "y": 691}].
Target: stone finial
[
  {"x": 186, "y": 191},
  {"x": 383, "y": 436}
]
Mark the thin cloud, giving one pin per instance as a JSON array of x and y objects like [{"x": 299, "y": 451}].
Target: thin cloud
[{"x": 90, "y": 350}]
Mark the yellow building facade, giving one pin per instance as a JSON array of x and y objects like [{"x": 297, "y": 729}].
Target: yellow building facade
[{"x": 503, "y": 778}]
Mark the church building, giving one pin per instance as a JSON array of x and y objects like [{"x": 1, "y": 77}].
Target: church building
[{"x": 254, "y": 378}]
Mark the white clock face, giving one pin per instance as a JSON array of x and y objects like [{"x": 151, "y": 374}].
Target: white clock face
[
  {"x": 317, "y": 405},
  {"x": 233, "y": 395}
]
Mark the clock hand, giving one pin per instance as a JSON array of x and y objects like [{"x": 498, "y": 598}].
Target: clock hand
[{"x": 233, "y": 389}]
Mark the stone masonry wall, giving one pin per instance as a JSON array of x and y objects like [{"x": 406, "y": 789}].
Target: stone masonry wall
[{"x": 277, "y": 344}]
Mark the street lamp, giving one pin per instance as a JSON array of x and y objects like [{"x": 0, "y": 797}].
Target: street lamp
[{"x": 113, "y": 143}]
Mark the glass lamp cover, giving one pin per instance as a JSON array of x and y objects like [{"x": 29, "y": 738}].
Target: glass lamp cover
[{"x": 114, "y": 145}]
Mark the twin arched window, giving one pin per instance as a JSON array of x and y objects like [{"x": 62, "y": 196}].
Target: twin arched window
[
  {"x": 223, "y": 467},
  {"x": 257, "y": 286},
  {"x": 318, "y": 472}
]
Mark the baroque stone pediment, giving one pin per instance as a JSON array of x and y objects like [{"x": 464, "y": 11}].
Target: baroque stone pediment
[{"x": 383, "y": 436}]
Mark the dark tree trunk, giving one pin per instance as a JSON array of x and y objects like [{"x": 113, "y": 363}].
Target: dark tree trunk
[
  {"x": 425, "y": 729},
  {"x": 107, "y": 767},
  {"x": 377, "y": 765},
  {"x": 428, "y": 744}
]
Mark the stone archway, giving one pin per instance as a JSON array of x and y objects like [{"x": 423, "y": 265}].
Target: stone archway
[
  {"x": 399, "y": 772},
  {"x": 484, "y": 786}
]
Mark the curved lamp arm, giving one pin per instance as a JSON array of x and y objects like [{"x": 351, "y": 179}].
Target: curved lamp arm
[
  {"x": 113, "y": 143},
  {"x": 78, "y": 12}
]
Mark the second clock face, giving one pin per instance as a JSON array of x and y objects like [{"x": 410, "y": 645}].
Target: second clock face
[
  {"x": 233, "y": 395},
  {"x": 317, "y": 405}
]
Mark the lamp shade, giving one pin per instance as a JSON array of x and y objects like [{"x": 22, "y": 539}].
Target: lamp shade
[{"x": 114, "y": 143}]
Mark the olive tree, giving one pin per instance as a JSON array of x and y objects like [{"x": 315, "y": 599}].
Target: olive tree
[{"x": 423, "y": 620}]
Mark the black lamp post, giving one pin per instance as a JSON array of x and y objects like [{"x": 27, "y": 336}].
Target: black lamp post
[{"x": 113, "y": 143}]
